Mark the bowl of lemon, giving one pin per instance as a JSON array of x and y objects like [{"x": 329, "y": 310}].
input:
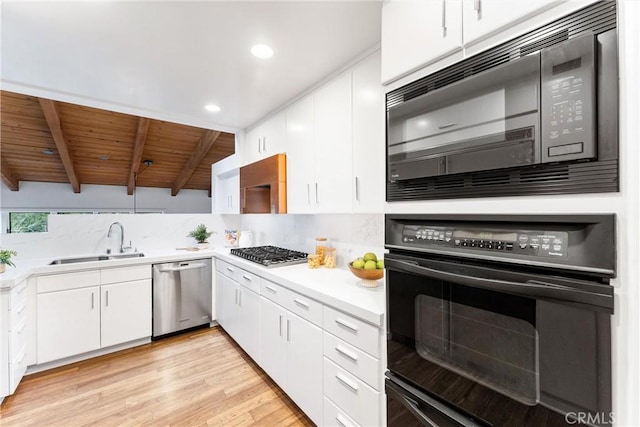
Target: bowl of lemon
[{"x": 368, "y": 268}]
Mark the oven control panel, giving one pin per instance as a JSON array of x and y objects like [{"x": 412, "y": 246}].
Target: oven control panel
[{"x": 532, "y": 243}]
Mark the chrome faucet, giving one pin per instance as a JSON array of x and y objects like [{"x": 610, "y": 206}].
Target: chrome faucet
[{"x": 121, "y": 235}]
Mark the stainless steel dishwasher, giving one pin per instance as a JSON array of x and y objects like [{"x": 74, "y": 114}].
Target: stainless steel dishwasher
[{"x": 181, "y": 295}]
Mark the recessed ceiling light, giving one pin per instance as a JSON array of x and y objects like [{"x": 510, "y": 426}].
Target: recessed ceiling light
[
  {"x": 212, "y": 107},
  {"x": 262, "y": 51},
  {"x": 48, "y": 152},
  {"x": 104, "y": 157}
]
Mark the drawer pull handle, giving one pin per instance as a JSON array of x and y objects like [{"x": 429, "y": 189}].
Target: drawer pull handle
[
  {"x": 24, "y": 325},
  {"x": 20, "y": 290},
  {"x": 245, "y": 277},
  {"x": 347, "y": 382},
  {"x": 347, "y": 325},
  {"x": 21, "y": 309},
  {"x": 230, "y": 269},
  {"x": 342, "y": 421},
  {"x": 301, "y": 303},
  {"x": 269, "y": 288},
  {"x": 19, "y": 362},
  {"x": 347, "y": 353}
]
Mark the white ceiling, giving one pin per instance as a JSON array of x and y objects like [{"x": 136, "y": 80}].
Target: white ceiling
[{"x": 166, "y": 60}]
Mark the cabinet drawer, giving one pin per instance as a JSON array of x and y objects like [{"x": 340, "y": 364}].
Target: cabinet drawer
[
  {"x": 18, "y": 295},
  {"x": 336, "y": 417},
  {"x": 61, "y": 282},
  {"x": 248, "y": 280},
  {"x": 273, "y": 292},
  {"x": 227, "y": 269},
  {"x": 125, "y": 274},
  {"x": 304, "y": 307},
  {"x": 17, "y": 368},
  {"x": 354, "y": 360},
  {"x": 356, "y": 399},
  {"x": 354, "y": 331},
  {"x": 18, "y": 313},
  {"x": 18, "y": 339}
]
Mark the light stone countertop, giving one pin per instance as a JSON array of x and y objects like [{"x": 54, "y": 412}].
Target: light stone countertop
[
  {"x": 35, "y": 267},
  {"x": 337, "y": 287}
]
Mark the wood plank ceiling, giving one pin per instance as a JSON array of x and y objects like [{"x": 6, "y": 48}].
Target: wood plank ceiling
[{"x": 49, "y": 141}]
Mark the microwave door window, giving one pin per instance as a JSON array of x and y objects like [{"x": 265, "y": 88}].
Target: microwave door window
[{"x": 487, "y": 121}]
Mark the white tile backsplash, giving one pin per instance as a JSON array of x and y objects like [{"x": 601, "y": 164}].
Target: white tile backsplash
[{"x": 351, "y": 234}]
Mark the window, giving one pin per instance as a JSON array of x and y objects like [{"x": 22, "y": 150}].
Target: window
[{"x": 28, "y": 222}]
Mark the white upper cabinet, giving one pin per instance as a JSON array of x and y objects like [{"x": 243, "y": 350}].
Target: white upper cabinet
[
  {"x": 483, "y": 18},
  {"x": 332, "y": 149},
  {"x": 418, "y": 32},
  {"x": 225, "y": 185},
  {"x": 300, "y": 158},
  {"x": 368, "y": 137},
  {"x": 266, "y": 139}
]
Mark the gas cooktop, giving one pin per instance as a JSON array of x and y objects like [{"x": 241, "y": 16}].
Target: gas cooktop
[{"x": 270, "y": 256}]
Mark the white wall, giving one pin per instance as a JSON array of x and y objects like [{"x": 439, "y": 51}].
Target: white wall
[
  {"x": 351, "y": 234},
  {"x": 44, "y": 195},
  {"x": 71, "y": 235}
]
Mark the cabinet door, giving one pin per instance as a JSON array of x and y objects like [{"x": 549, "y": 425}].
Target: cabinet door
[
  {"x": 273, "y": 347},
  {"x": 416, "y": 33},
  {"x": 252, "y": 145},
  {"x": 332, "y": 150},
  {"x": 226, "y": 195},
  {"x": 304, "y": 364},
  {"x": 368, "y": 137},
  {"x": 228, "y": 304},
  {"x": 249, "y": 322},
  {"x": 483, "y": 18},
  {"x": 126, "y": 312},
  {"x": 68, "y": 323},
  {"x": 300, "y": 162},
  {"x": 274, "y": 136}
]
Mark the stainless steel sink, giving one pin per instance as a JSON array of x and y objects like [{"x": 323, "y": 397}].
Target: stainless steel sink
[{"x": 96, "y": 258}]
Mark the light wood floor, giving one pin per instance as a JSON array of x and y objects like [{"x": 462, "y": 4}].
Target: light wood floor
[{"x": 197, "y": 378}]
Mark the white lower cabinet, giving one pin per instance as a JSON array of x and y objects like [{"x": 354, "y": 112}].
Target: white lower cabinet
[
  {"x": 292, "y": 355},
  {"x": 86, "y": 311},
  {"x": 13, "y": 354},
  {"x": 125, "y": 312},
  {"x": 239, "y": 308},
  {"x": 68, "y": 323}
]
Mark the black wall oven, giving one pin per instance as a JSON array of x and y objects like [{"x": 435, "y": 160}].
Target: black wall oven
[
  {"x": 536, "y": 115},
  {"x": 499, "y": 320}
]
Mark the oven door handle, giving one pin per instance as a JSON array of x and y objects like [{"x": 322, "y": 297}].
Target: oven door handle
[{"x": 532, "y": 289}]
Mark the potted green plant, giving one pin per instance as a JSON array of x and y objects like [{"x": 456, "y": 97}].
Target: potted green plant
[
  {"x": 5, "y": 259},
  {"x": 201, "y": 234}
]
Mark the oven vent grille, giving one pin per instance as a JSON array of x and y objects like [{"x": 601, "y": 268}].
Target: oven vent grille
[
  {"x": 572, "y": 178},
  {"x": 596, "y": 18},
  {"x": 555, "y": 38},
  {"x": 478, "y": 180}
]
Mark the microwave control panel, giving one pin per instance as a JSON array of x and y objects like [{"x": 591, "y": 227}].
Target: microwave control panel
[{"x": 554, "y": 244}]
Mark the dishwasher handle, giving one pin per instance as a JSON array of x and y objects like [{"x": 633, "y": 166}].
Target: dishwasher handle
[{"x": 182, "y": 268}]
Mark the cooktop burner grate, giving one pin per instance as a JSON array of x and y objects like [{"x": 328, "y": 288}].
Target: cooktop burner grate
[{"x": 270, "y": 256}]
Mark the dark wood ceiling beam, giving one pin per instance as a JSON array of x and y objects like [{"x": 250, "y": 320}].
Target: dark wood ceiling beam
[
  {"x": 138, "y": 148},
  {"x": 50, "y": 111},
  {"x": 10, "y": 180},
  {"x": 201, "y": 150}
]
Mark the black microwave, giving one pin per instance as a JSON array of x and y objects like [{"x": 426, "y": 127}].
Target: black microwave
[{"x": 537, "y": 115}]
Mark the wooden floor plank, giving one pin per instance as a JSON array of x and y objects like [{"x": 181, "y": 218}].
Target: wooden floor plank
[{"x": 198, "y": 378}]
